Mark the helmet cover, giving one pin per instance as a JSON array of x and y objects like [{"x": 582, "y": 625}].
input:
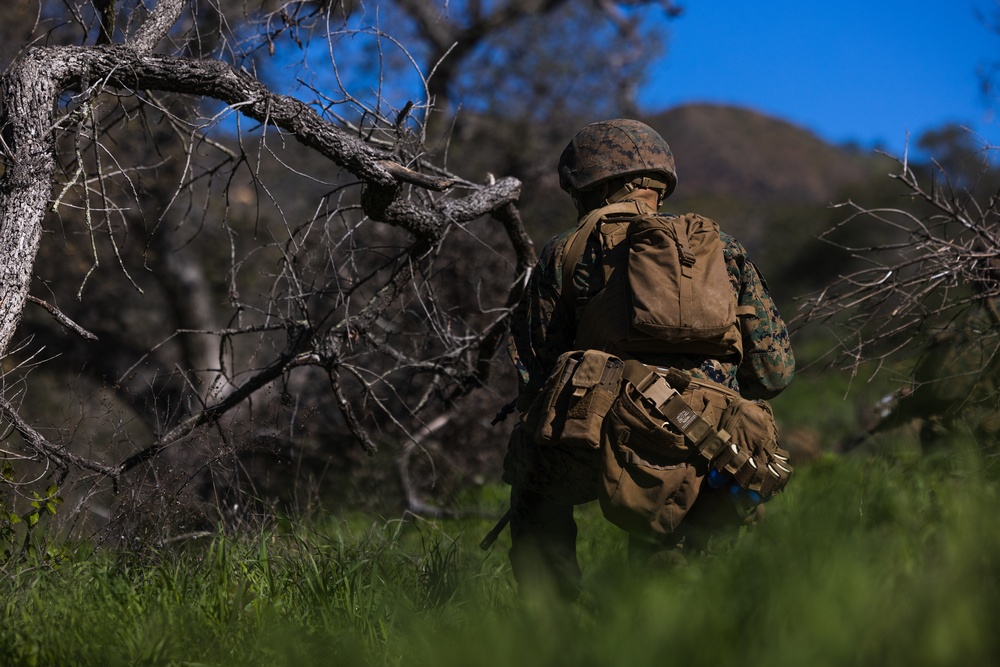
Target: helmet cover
[{"x": 613, "y": 148}]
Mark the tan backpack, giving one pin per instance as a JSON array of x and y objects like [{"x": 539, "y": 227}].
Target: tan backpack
[{"x": 666, "y": 284}]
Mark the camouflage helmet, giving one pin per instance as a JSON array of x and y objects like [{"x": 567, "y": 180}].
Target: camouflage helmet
[{"x": 612, "y": 148}]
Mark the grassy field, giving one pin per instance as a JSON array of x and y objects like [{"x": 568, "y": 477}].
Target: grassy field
[
  {"x": 884, "y": 556},
  {"x": 865, "y": 560}
]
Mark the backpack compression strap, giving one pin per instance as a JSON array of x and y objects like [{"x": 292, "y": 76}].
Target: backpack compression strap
[{"x": 575, "y": 245}]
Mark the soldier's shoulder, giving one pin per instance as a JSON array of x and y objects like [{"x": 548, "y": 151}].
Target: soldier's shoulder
[
  {"x": 731, "y": 245},
  {"x": 553, "y": 247}
]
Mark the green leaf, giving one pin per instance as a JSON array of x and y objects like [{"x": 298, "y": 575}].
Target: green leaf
[
  {"x": 7, "y": 471},
  {"x": 32, "y": 519},
  {"x": 52, "y": 490}
]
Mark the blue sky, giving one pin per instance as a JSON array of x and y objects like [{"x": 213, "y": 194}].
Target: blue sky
[{"x": 862, "y": 71}]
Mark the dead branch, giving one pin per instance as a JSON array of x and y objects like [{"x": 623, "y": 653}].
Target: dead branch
[
  {"x": 939, "y": 260},
  {"x": 61, "y": 318}
]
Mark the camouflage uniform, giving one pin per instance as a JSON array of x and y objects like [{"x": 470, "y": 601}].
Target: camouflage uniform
[{"x": 546, "y": 483}]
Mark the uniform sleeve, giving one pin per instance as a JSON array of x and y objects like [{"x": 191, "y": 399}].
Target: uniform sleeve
[
  {"x": 768, "y": 363},
  {"x": 542, "y": 327}
]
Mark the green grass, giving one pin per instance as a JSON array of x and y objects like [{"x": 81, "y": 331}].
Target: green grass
[{"x": 863, "y": 561}]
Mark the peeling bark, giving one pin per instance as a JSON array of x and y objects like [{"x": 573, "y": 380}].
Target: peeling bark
[{"x": 33, "y": 85}]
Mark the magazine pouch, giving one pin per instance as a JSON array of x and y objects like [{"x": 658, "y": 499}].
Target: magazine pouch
[{"x": 570, "y": 409}]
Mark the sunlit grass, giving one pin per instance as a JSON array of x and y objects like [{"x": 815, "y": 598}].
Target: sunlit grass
[{"x": 863, "y": 561}]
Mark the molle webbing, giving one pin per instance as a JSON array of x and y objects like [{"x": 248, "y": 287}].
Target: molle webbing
[
  {"x": 575, "y": 399},
  {"x": 675, "y": 409},
  {"x": 765, "y": 473}
]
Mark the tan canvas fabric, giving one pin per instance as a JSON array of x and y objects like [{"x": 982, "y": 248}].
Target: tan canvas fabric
[
  {"x": 659, "y": 431},
  {"x": 571, "y": 408},
  {"x": 662, "y": 435},
  {"x": 649, "y": 480},
  {"x": 666, "y": 284},
  {"x": 678, "y": 284}
]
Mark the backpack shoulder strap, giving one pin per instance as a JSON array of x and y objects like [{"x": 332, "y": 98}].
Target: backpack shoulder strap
[{"x": 577, "y": 242}]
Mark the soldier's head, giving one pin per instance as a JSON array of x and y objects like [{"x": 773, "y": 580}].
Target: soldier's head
[{"x": 608, "y": 160}]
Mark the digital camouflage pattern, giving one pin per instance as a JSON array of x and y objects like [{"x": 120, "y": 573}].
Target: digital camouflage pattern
[
  {"x": 614, "y": 148},
  {"x": 543, "y": 327},
  {"x": 547, "y": 481}
]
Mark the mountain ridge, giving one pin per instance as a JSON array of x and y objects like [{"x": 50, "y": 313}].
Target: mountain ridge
[{"x": 738, "y": 152}]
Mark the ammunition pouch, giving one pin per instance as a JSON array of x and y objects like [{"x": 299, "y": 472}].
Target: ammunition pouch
[
  {"x": 658, "y": 433},
  {"x": 737, "y": 436},
  {"x": 571, "y": 407}
]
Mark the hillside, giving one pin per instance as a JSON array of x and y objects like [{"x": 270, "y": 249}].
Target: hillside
[
  {"x": 735, "y": 164},
  {"x": 764, "y": 179},
  {"x": 736, "y": 152}
]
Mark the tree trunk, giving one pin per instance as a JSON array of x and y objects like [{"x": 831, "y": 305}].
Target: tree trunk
[{"x": 28, "y": 92}]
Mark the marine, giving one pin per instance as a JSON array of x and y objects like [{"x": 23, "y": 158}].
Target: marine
[{"x": 609, "y": 164}]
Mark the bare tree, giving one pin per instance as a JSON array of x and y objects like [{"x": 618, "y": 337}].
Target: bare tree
[
  {"x": 455, "y": 45},
  {"x": 373, "y": 293},
  {"x": 230, "y": 223},
  {"x": 922, "y": 299}
]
